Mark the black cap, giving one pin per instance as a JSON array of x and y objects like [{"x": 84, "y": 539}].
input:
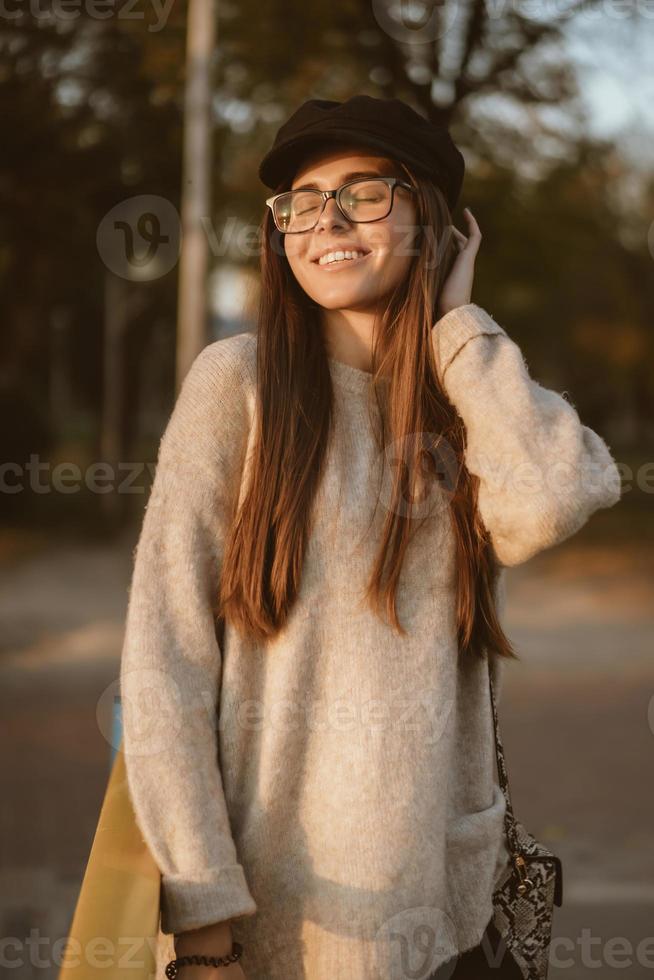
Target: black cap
[{"x": 387, "y": 125}]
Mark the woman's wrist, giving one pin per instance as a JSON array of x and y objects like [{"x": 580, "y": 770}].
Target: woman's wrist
[{"x": 212, "y": 940}]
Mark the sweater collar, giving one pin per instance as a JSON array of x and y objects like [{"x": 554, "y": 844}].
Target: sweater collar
[{"x": 353, "y": 378}]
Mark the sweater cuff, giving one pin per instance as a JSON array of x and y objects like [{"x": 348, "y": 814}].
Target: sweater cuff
[
  {"x": 456, "y": 328},
  {"x": 211, "y": 896}
]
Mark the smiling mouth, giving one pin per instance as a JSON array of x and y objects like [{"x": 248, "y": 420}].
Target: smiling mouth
[{"x": 343, "y": 262}]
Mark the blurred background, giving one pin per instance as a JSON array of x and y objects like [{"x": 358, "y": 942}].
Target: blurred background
[{"x": 130, "y": 211}]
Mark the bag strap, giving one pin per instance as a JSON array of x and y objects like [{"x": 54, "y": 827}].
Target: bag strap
[{"x": 509, "y": 818}]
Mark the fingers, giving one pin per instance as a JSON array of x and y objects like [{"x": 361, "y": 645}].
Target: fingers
[
  {"x": 460, "y": 239},
  {"x": 473, "y": 239},
  {"x": 475, "y": 231}
]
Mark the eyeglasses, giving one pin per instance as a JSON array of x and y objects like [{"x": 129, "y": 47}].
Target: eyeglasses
[{"x": 361, "y": 200}]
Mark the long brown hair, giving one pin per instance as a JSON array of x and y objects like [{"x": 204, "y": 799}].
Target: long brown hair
[{"x": 264, "y": 554}]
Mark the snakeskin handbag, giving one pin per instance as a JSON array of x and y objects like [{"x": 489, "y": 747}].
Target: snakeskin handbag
[{"x": 532, "y": 884}]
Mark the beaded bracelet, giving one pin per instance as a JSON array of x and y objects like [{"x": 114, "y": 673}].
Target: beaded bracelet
[{"x": 194, "y": 959}]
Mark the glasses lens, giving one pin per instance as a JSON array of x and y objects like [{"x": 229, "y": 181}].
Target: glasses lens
[
  {"x": 366, "y": 200},
  {"x": 297, "y": 210}
]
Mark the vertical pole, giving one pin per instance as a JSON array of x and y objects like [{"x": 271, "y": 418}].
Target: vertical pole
[{"x": 196, "y": 185}]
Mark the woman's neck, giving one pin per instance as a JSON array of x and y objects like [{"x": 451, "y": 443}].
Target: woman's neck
[{"x": 348, "y": 336}]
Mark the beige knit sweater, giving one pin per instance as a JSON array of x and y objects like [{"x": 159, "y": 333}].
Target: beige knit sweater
[{"x": 334, "y": 791}]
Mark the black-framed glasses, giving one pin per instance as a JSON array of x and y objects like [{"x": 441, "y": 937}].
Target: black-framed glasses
[{"x": 360, "y": 200}]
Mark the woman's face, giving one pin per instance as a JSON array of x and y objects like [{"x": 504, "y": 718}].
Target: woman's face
[{"x": 358, "y": 283}]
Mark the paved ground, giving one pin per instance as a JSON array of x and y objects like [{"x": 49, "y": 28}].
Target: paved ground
[{"x": 577, "y": 718}]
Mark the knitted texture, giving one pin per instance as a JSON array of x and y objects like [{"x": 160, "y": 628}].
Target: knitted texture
[{"x": 333, "y": 791}]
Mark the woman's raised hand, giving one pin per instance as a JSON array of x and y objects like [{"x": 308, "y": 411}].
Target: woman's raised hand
[{"x": 457, "y": 288}]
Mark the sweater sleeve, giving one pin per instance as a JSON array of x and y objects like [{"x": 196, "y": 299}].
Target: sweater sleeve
[
  {"x": 171, "y": 661},
  {"x": 542, "y": 472}
]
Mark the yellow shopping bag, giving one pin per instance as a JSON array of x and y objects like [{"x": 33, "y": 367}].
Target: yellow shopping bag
[{"x": 115, "y": 928}]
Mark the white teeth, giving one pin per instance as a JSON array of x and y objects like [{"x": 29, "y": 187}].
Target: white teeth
[{"x": 338, "y": 256}]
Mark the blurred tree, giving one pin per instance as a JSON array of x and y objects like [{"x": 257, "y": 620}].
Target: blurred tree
[{"x": 89, "y": 127}]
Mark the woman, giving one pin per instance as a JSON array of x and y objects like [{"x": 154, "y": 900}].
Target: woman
[{"x": 307, "y": 723}]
